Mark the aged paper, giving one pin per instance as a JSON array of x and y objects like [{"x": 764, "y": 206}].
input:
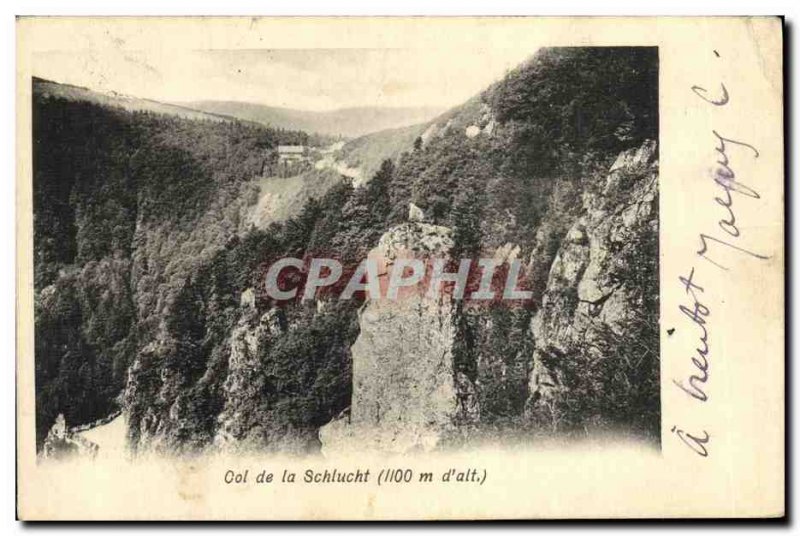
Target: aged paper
[{"x": 399, "y": 268}]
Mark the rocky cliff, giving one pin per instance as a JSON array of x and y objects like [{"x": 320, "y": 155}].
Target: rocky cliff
[
  {"x": 404, "y": 390},
  {"x": 246, "y": 380},
  {"x": 600, "y": 296}
]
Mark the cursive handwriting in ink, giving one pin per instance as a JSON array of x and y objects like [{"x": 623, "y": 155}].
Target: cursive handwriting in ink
[
  {"x": 721, "y": 101},
  {"x": 697, "y": 444},
  {"x": 696, "y": 313},
  {"x": 701, "y": 92},
  {"x": 725, "y": 178}
]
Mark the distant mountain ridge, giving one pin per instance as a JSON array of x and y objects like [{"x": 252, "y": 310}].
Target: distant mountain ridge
[
  {"x": 43, "y": 88},
  {"x": 345, "y": 122}
]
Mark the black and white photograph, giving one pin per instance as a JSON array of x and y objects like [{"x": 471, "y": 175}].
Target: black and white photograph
[{"x": 156, "y": 225}]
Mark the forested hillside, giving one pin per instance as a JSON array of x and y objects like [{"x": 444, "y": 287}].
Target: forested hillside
[
  {"x": 150, "y": 291},
  {"x": 127, "y": 204}
]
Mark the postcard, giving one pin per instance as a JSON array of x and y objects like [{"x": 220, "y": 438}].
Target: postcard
[{"x": 400, "y": 268}]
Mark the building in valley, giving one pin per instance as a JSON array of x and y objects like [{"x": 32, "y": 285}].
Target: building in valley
[{"x": 292, "y": 153}]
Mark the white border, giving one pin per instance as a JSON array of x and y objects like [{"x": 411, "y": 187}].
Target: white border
[{"x": 319, "y": 7}]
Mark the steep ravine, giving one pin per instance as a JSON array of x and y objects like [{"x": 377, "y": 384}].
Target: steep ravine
[
  {"x": 150, "y": 294},
  {"x": 408, "y": 392}
]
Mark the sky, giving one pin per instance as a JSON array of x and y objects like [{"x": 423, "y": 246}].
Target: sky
[{"x": 307, "y": 79}]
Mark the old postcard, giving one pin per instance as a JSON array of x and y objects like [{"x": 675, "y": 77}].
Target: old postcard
[{"x": 399, "y": 268}]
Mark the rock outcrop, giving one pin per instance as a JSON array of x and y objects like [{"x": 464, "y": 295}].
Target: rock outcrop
[
  {"x": 472, "y": 131},
  {"x": 586, "y": 299},
  {"x": 405, "y": 393},
  {"x": 62, "y": 442},
  {"x": 245, "y": 380},
  {"x": 415, "y": 213}
]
